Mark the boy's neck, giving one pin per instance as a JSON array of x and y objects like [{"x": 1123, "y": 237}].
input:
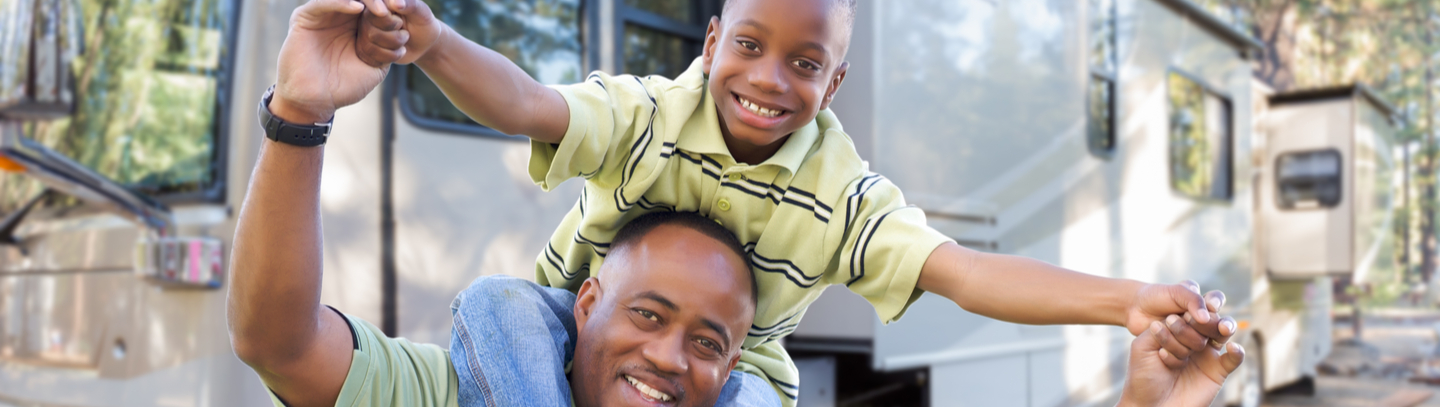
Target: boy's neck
[{"x": 747, "y": 153}]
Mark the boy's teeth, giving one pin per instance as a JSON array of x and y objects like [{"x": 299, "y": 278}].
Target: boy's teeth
[
  {"x": 757, "y": 109},
  {"x": 647, "y": 390}
]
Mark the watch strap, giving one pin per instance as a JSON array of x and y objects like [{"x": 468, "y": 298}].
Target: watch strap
[{"x": 302, "y": 135}]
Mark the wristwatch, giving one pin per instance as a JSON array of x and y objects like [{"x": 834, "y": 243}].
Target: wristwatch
[{"x": 290, "y": 133}]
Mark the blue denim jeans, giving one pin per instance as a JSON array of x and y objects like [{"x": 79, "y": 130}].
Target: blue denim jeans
[{"x": 512, "y": 339}]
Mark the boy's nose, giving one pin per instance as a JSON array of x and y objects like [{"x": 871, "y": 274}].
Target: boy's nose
[{"x": 769, "y": 77}]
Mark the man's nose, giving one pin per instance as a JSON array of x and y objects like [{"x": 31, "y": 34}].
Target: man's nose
[
  {"x": 769, "y": 77},
  {"x": 667, "y": 354}
]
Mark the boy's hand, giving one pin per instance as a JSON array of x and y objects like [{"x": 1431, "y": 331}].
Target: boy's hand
[
  {"x": 1200, "y": 325},
  {"x": 397, "y": 31},
  {"x": 1156, "y": 379}
]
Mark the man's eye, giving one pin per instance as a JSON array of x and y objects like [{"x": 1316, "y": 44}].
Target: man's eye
[
  {"x": 806, "y": 65},
  {"x": 648, "y": 315},
  {"x": 749, "y": 45},
  {"x": 709, "y": 344}
]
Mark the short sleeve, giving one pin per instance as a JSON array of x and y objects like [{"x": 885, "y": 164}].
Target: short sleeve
[
  {"x": 394, "y": 372},
  {"x": 886, "y": 243},
  {"x": 604, "y": 112}
]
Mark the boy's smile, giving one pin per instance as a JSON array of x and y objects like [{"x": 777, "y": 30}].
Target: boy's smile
[{"x": 772, "y": 66}]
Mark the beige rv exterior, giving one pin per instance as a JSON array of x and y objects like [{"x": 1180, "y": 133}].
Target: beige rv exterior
[{"x": 981, "y": 111}]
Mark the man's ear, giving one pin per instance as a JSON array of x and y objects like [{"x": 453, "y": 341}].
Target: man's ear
[
  {"x": 712, "y": 37},
  {"x": 585, "y": 301},
  {"x": 834, "y": 84}
]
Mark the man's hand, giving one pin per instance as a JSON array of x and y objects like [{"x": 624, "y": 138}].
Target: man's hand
[
  {"x": 1199, "y": 327},
  {"x": 1157, "y": 379},
  {"x": 318, "y": 70},
  {"x": 380, "y": 32}
]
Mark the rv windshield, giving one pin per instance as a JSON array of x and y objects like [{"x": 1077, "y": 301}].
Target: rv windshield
[{"x": 148, "y": 91}]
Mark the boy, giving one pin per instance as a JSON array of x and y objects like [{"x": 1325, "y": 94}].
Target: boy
[{"x": 744, "y": 136}]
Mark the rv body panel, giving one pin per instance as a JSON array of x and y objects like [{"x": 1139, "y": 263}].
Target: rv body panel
[
  {"x": 1311, "y": 241},
  {"x": 464, "y": 207}
]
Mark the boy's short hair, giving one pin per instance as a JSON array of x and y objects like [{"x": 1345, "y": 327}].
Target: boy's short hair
[
  {"x": 850, "y": 7},
  {"x": 641, "y": 226}
]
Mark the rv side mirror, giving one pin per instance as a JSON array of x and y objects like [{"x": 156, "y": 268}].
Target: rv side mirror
[
  {"x": 1309, "y": 179},
  {"x": 38, "y": 41}
]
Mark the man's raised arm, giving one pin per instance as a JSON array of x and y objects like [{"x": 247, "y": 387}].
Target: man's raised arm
[
  {"x": 301, "y": 350},
  {"x": 485, "y": 85}
]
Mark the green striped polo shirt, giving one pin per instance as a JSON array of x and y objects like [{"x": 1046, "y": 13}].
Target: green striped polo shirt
[{"x": 810, "y": 216}]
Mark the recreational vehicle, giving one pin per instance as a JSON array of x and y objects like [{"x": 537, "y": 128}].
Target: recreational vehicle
[{"x": 1117, "y": 137}]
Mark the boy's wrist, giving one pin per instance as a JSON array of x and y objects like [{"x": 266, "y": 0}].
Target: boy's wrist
[{"x": 433, "y": 54}]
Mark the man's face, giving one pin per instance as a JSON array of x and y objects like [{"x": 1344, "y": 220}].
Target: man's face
[
  {"x": 663, "y": 323},
  {"x": 773, "y": 66}
]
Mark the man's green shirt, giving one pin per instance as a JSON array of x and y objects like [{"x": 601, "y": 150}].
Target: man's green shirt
[{"x": 810, "y": 216}]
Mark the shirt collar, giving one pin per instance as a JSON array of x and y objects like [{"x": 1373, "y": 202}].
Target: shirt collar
[{"x": 701, "y": 133}]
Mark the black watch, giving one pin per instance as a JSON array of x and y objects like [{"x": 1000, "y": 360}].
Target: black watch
[{"x": 290, "y": 133}]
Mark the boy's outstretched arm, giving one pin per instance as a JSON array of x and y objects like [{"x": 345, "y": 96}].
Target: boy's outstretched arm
[
  {"x": 1028, "y": 291},
  {"x": 485, "y": 85}
]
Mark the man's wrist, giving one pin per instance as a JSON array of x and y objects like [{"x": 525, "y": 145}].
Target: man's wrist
[{"x": 289, "y": 112}]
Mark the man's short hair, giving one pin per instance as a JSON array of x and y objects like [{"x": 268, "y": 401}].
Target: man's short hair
[{"x": 641, "y": 226}]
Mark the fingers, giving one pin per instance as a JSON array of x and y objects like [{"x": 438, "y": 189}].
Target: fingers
[
  {"x": 1227, "y": 328},
  {"x": 1214, "y": 300},
  {"x": 378, "y": 8},
  {"x": 1187, "y": 296},
  {"x": 317, "y": 9},
  {"x": 1234, "y": 355},
  {"x": 1176, "y": 348},
  {"x": 391, "y": 40},
  {"x": 1185, "y": 335}
]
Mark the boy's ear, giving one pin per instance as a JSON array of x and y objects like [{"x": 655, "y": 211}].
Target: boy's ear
[
  {"x": 712, "y": 37},
  {"x": 590, "y": 294},
  {"x": 834, "y": 84}
]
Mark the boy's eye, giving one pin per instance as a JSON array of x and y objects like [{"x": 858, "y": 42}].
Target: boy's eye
[
  {"x": 806, "y": 65},
  {"x": 748, "y": 45}
]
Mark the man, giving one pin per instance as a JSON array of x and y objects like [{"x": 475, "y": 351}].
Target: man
[{"x": 672, "y": 355}]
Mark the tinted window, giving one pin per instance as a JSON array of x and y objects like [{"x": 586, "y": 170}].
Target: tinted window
[
  {"x": 543, "y": 37},
  {"x": 662, "y": 37},
  {"x": 148, "y": 89},
  {"x": 1199, "y": 139},
  {"x": 1100, "y": 100},
  {"x": 1308, "y": 179}
]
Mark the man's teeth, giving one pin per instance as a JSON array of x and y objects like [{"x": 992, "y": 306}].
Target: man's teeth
[
  {"x": 646, "y": 390},
  {"x": 757, "y": 109}
]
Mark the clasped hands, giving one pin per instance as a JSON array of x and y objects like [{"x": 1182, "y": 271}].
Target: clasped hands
[{"x": 1179, "y": 359}]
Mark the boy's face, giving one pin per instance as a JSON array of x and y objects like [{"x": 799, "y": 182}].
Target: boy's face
[
  {"x": 773, "y": 65},
  {"x": 666, "y": 327}
]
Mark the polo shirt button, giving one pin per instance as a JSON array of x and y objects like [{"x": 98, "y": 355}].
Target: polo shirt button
[
  {"x": 724, "y": 204},
  {"x": 734, "y": 177}
]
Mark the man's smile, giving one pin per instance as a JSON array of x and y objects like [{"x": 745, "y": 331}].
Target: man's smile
[{"x": 648, "y": 392}]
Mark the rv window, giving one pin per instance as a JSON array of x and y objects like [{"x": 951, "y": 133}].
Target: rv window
[
  {"x": 149, "y": 91},
  {"x": 1308, "y": 179},
  {"x": 543, "y": 37},
  {"x": 1100, "y": 109},
  {"x": 1199, "y": 140},
  {"x": 661, "y": 37},
  {"x": 1100, "y": 100}
]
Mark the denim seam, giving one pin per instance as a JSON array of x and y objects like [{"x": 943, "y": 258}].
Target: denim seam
[{"x": 475, "y": 368}]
